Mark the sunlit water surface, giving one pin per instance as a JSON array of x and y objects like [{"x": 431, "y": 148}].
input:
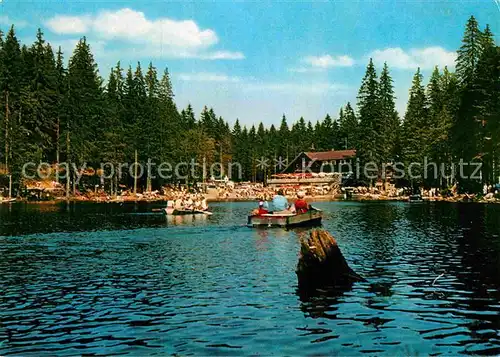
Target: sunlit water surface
[{"x": 118, "y": 279}]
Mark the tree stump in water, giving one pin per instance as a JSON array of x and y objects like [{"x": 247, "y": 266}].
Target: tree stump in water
[{"x": 321, "y": 263}]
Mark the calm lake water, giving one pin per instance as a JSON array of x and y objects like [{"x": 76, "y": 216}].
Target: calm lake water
[{"x": 118, "y": 279}]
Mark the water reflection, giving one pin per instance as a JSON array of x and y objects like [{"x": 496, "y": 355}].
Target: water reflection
[
  {"x": 480, "y": 256},
  {"x": 187, "y": 219},
  {"x": 31, "y": 218},
  {"x": 120, "y": 279},
  {"x": 321, "y": 303}
]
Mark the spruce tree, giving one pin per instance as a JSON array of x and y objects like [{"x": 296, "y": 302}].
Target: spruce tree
[
  {"x": 371, "y": 143},
  {"x": 327, "y": 134},
  {"x": 253, "y": 154},
  {"x": 172, "y": 122},
  {"x": 415, "y": 130},
  {"x": 469, "y": 53},
  {"x": 284, "y": 137},
  {"x": 466, "y": 130},
  {"x": 438, "y": 124},
  {"x": 261, "y": 140},
  {"x": 246, "y": 160},
  {"x": 298, "y": 141},
  {"x": 389, "y": 123},
  {"x": 155, "y": 137},
  {"x": 335, "y": 138},
  {"x": 84, "y": 104},
  {"x": 318, "y": 136},
  {"x": 206, "y": 121},
  {"x": 113, "y": 140},
  {"x": 11, "y": 80},
  {"x": 487, "y": 39},
  {"x": 12, "y": 66},
  {"x": 309, "y": 136},
  {"x": 349, "y": 127},
  {"x": 486, "y": 90},
  {"x": 39, "y": 99},
  {"x": 61, "y": 102},
  {"x": 342, "y": 134},
  {"x": 189, "y": 121},
  {"x": 434, "y": 94}
]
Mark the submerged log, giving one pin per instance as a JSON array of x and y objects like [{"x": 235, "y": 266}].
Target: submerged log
[{"x": 321, "y": 263}]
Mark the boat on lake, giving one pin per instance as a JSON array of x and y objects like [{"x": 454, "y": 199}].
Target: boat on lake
[
  {"x": 312, "y": 217},
  {"x": 7, "y": 200},
  {"x": 175, "y": 212},
  {"x": 170, "y": 210}
]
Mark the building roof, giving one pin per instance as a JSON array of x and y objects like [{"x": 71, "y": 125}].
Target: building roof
[{"x": 331, "y": 155}]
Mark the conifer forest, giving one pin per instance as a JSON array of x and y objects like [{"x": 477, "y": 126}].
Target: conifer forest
[{"x": 55, "y": 107}]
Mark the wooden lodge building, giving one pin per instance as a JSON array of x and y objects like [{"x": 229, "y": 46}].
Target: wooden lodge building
[
  {"x": 324, "y": 168},
  {"x": 322, "y": 161}
]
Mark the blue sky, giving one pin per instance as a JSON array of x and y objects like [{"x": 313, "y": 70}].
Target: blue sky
[{"x": 255, "y": 60}]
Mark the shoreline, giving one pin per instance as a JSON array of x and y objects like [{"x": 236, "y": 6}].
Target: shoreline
[{"x": 319, "y": 198}]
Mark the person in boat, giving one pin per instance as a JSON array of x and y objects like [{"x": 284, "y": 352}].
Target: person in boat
[
  {"x": 280, "y": 203},
  {"x": 204, "y": 204},
  {"x": 188, "y": 205},
  {"x": 300, "y": 205},
  {"x": 197, "y": 203},
  {"x": 262, "y": 208},
  {"x": 178, "y": 204},
  {"x": 170, "y": 207}
]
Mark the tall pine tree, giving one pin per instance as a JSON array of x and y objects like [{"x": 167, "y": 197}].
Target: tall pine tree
[
  {"x": 390, "y": 126},
  {"x": 371, "y": 146},
  {"x": 415, "y": 130}
]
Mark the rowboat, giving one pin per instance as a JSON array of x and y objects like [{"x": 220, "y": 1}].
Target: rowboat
[
  {"x": 7, "y": 200},
  {"x": 171, "y": 211},
  {"x": 311, "y": 217},
  {"x": 175, "y": 212}
]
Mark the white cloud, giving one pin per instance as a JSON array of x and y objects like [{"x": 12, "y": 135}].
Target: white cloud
[
  {"x": 132, "y": 25},
  {"x": 69, "y": 24},
  {"x": 328, "y": 61},
  {"x": 7, "y": 21},
  {"x": 223, "y": 55},
  {"x": 207, "y": 77},
  {"x": 163, "y": 36},
  {"x": 322, "y": 63},
  {"x": 396, "y": 57},
  {"x": 425, "y": 58}
]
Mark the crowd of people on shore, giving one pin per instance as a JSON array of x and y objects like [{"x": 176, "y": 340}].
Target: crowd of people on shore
[{"x": 194, "y": 196}]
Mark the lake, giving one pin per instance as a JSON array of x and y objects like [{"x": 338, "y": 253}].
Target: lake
[{"x": 118, "y": 279}]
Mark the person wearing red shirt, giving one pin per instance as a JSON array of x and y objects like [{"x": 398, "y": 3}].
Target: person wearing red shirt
[
  {"x": 301, "y": 206},
  {"x": 261, "y": 209}
]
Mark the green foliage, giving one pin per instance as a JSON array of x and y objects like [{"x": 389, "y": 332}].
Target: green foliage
[
  {"x": 348, "y": 127},
  {"x": 470, "y": 52},
  {"x": 415, "y": 125},
  {"x": 389, "y": 123},
  {"x": 85, "y": 104},
  {"x": 371, "y": 147},
  {"x": 52, "y": 113}
]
